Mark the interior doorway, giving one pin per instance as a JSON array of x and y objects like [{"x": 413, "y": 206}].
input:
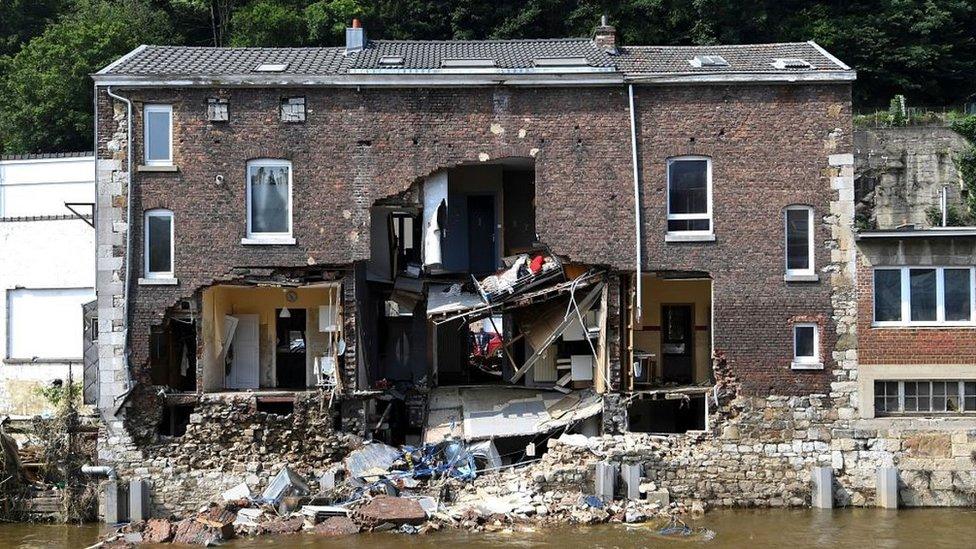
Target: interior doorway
[
  {"x": 677, "y": 343},
  {"x": 481, "y": 234},
  {"x": 290, "y": 348}
]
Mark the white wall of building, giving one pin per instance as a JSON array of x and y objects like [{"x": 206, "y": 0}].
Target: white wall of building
[{"x": 47, "y": 271}]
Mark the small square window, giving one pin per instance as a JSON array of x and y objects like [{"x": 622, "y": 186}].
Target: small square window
[
  {"x": 806, "y": 346},
  {"x": 217, "y": 110},
  {"x": 293, "y": 109}
]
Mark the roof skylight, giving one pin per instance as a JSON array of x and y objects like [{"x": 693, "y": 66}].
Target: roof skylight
[
  {"x": 467, "y": 63},
  {"x": 271, "y": 67},
  {"x": 705, "y": 61},
  {"x": 561, "y": 62},
  {"x": 792, "y": 63}
]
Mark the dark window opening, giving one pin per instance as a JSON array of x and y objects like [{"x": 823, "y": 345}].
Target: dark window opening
[
  {"x": 647, "y": 415},
  {"x": 175, "y": 419},
  {"x": 173, "y": 354},
  {"x": 276, "y": 407}
]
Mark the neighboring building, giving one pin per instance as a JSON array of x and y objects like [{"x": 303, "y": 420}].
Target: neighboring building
[
  {"x": 285, "y": 230},
  {"x": 47, "y": 272}
]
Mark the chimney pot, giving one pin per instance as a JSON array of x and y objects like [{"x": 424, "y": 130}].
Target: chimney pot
[
  {"x": 605, "y": 36},
  {"x": 355, "y": 37}
]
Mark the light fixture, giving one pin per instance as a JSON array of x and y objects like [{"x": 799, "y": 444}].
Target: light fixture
[{"x": 285, "y": 313}]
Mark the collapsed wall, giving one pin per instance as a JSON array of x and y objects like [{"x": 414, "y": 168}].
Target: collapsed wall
[{"x": 223, "y": 440}]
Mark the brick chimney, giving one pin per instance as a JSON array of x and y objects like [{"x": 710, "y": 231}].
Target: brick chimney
[
  {"x": 605, "y": 36},
  {"x": 355, "y": 37}
]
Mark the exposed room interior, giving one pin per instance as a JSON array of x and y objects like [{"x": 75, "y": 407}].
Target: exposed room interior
[
  {"x": 671, "y": 350},
  {"x": 461, "y": 296},
  {"x": 672, "y": 339},
  {"x": 267, "y": 337}
]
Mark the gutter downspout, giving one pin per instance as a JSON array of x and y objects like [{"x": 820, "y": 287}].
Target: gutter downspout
[
  {"x": 128, "y": 231},
  {"x": 637, "y": 216}
]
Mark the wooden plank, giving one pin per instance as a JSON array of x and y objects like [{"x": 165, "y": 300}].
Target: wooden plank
[{"x": 584, "y": 306}]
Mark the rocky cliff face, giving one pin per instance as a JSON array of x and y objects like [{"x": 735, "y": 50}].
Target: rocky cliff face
[{"x": 900, "y": 174}]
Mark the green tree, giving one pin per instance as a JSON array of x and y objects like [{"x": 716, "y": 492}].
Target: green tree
[
  {"x": 327, "y": 20},
  {"x": 268, "y": 23},
  {"x": 47, "y": 88},
  {"x": 21, "y": 20}
]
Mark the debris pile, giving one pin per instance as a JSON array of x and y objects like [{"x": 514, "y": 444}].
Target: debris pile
[
  {"x": 40, "y": 467},
  {"x": 412, "y": 491}
]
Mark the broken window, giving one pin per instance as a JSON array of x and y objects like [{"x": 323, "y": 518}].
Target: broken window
[
  {"x": 269, "y": 199},
  {"x": 159, "y": 244},
  {"x": 158, "y": 120},
  {"x": 924, "y": 397},
  {"x": 931, "y": 295},
  {"x": 806, "y": 353},
  {"x": 217, "y": 110},
  {"x": 799, "y": 240},
  {"x": 293, "y": 109},
  {"x": 690, "y": 195}
]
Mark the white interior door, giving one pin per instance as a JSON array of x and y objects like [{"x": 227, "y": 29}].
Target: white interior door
[{"x": 244, "y": 364}]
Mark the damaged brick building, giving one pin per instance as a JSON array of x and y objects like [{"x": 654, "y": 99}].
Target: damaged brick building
[{"x": 490, "y": 240}]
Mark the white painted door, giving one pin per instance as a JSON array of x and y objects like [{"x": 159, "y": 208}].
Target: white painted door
[{"x": 244, "y": 364}]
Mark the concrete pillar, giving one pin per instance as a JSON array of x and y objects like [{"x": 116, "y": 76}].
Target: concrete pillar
[
  {"x": 887, "y": 488},
  {"x": 606, "y": 476},
  {"x": 138, "y": 500},
  {"x": 116, "y": 503},
  {"x": 631, "y": 475},
  {"x": 822, "y": 480}
]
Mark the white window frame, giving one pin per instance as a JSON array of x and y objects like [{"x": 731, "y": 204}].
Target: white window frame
[
  {"x": 269, "y": 238},
  {"x": 811, "y": 232},
  {"x": 906, "y": 299},
  {"x": 960, "y": 394},
  {"x": 159, "y": 212},
  {"x": 807, "y": 362},
  {"x": 685, "y": 217},
  {"x": 146, "y": 110}
]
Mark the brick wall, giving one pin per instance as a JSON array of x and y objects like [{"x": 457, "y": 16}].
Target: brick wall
[
  {"x": 770, "y": 148},
  {"x": 906, "y": 345},
  {"x": 769, "y": 144}
]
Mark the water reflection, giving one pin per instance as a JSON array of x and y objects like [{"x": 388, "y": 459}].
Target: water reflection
[{"x": 746, "y": 529}]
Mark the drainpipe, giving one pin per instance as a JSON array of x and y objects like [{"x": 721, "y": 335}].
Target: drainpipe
[
  {"x": 99, "y": 470},
  {"x": 128, "y": 231},
  {"x": 637, "y": 216}
]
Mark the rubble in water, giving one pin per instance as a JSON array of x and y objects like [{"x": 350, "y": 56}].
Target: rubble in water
[{"x": 420, "y": 495}]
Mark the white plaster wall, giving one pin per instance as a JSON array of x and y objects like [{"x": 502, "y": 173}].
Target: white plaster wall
[
  {"x": 41, "y": 187},
  {"x": 47, "y": 253}
]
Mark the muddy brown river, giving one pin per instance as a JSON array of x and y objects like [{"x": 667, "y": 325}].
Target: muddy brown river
[{"x": 747, "y": 529}]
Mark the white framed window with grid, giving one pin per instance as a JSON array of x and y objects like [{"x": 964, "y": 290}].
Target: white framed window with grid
[{"x": 924, "y": 296}]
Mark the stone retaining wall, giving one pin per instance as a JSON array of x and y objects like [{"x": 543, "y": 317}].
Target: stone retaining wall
[{"x": 759, "y": 453}]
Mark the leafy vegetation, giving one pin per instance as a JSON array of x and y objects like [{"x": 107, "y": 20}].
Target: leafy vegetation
[
  {"x": 919, "y": 48},
  {"x": 966, "y": 161}
]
